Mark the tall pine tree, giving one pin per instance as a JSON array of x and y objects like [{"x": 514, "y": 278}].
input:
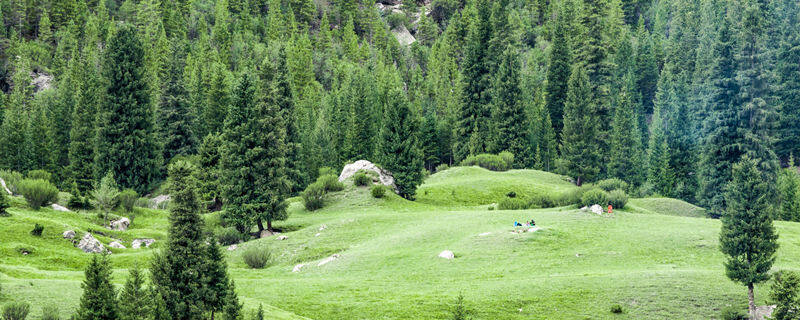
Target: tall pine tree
[
  {"x": 580, "y": 152},
  {"x": 99, "y": 300}
]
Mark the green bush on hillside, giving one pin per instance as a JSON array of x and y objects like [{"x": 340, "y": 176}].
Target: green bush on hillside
[
  {"x": 594, "y": 196},
  {"x": 487, "y": 161},
  {"x": 512, "y": 204},
  {"x": 330, "y": 183},
  {"x": 507, "y": 157},
  {"x": 12, "y": 179},
  {"x": 127, "y": 199},
  {"x": 612, "y": 184},
  {"x": 37, "y": 230},
  {"x": 396, "y": 20},
  {"x": 616, "y": 308},
  {"x": 733, "y": 313},
  {"x": 4, "y": 203},
  {"x": 324, "y": 171},
  {"x": 50, "y": 313},
  {"x": 378, "y": 191},
  {"x": 442, "y": 167},
  {"x": 228, "y": 236},
  {"x": 617, "y": 199},
  {"x": 38, "y": 192},
  {"x": 314, "y": 196},
  {"x": 16, "y": 311},
  {"x": 257, "y": 257},
  {"x": 783, "y": 292},
  {"x": 39, "y": 174},
  {"x": 361, "y": 179}
]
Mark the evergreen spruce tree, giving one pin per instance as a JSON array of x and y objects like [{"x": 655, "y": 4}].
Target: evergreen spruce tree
[
  {"x": 789, "y": 193},
  {"x": 558, "y": 72},
  {"x": 748, "y": 238},
  {"x": 99, "y": 300},
  {"x": 253, "y": 160},
  {"x": 281, "y": 95},
  {"x": 39, "y": 137},
  {"x": 400, "y": 149},
  {"x": 789, "y": 94},
  {"x": 82, "y": 129},
  {"x": 134, "y": 301},
  {"x": 233, "y": 309},
  {"x": 660, "y": 175},
  {"x": 216, "y": 284},
  {"x": 126, "y": 137},
  {"x": 176, "y": 271},
  {"x": 4, "y": 203},
  {"x": 626, "y": 156},
  {"x": 176, "y": 120},
  {"x": 208, "y": 177},
  {"x": 219, "y": 97},
  {"x": 579, "y": 148},
  {"x": 15, "y": 122},
  {"x": 509, "y": 118}
]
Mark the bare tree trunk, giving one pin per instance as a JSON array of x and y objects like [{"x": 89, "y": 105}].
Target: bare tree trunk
[
  {"x": 260, "y": 226},
  {"x": 752, "y": 301},
  {"x": 578, "y": 182},
  {"x": 269, "y": 225}
]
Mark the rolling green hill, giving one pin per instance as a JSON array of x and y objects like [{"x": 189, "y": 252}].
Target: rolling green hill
[{"x": 653, "y": 259}]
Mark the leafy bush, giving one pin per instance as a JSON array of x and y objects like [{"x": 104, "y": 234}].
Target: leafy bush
[
  {"x": 511, "y": 194},
  {"x": 79, "y": 202},
  {"x": 12, "y": 179},
  {"x": 50, "y": 313},
  {"x": 127, "y": 199},
  {"x": 378, "y": 191},
  {"x": 314, "y": 196},
  {"x": 784, "y": 293},
  {"x": 571, "y": 197},
  {"x": 442, "y": 167},
  {"x": 617, "y": 199},
  {"x": 105, "y": 195},
  {"x": 594, "y": 196},
  {"x": 39, "y": 175},
  {"x": 512, "y": 204},
  {"x": 612, "y": 184},
  {"x": 616, "y": 308},
  {"x": 37, "y": 230},
  {"x": 4, "y": 203},
  {"x": 507, "y": 157},
  {"x": 488, "y": 161},
  {"x": 361, "y": 179},
  {"x": 396, "y": 20},
  {"x": 38, "y": 192},
  {"x": 733, "y": 313},
  {"x": 16, "y": 311},
  {"x": 324, "y": 171},
  {"x": 330, "y": 183},
  {"x": 228, "y": 236},
  {"x": 257, "y": 257}
]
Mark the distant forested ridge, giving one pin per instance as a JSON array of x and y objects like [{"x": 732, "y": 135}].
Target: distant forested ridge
[{"x": 666, "y": 94}]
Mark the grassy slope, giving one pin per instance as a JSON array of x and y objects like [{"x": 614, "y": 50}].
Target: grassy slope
[{"x": 656, "y": 266}]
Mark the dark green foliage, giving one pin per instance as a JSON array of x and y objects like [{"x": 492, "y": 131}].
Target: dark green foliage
[
  {"x": 733, "y": 313},
  {"x": 260, "y": 313},
  {"x": 209, "y": 170},
  {"x": 617, "y": 198},
  {"x": 217, "y": 290},
  {"x": 232, "y": 309},
  {"x": 616, "y": 309},
  {"x": 38, "y": 193},
  {"x": 282, "y": 97},
  {"x": 594, "y": 196},
  {"x": 133, "y": 299},
  {"x": 748, "y": 238},
  {"x": 127, "y": 198},
  {"x": 361, "y": 179},
  {"x": 378, "y": 191},
  {"x": 611, "y": 184},
  {"x": 784, "y": 293},
  {"x": 400, "y": 149},
  {"x": 99, "y": 300},
  {"x": 4, "y": 203},
  {"x": 512, "y": 204},
  {"x": 257, "y": 257},
  {"x": 314, "y": 196},
  {"x": 16, "y": 311},
  {"x": 37, "y": 230},
  {"x": 176, "y": 272},
  {"x": 39, "y": 175},
  {"x": 558, "y": 73},
  {"x": 253, "y": 160},
  {"x": 330, "y": 183},
  {"x": 228, "y": 236},
  {"x": 176, "y": 119},
  {"x": 626, "y": 156},
  {"x": 460, "y": 311},
  {"x": 126, "y": 113},
  {"x": 789, "y": 194},
  {"x": 487, "y": 161},
  {"x": 579, "y": 143},
  {"x": 659, "y": 173},
  {"x": 509, "y": 118}
]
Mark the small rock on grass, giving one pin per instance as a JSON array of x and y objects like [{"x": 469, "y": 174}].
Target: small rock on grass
[
  {"x": 328, "y": 259},
  {"x": 117, "y": 245},
  {"x": 298, "y": 267},
  {"x": 447, "y": 254},
  {"x": 69, "y": 234},
  {"x": 282, "y": 237}
]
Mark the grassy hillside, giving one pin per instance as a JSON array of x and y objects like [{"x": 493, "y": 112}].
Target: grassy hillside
[
  {"x": 657, "y": 266},
  {"x": 667, "y": 206}
]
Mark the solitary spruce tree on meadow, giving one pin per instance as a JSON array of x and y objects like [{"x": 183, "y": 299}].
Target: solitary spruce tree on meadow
[
  {"x": 748, "y": 238},
  {"x": 99, "y": 300},
  {"x": 126, "y": 135},
  {"x": 400, "y": 149}
]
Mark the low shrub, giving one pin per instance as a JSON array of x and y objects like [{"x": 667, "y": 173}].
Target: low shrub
[
  {"x": 314, "y": 196},
  {"x": 12, "y": 179},
  {"x": 16, "y": 311},
  {"x": 38, "y": 192},
  {"x": 733, "y": 313},
  {"x": 50, "y": 313},
  {"x": 324, "y": 171},
  {"x": 511, "y": 194},
  {"x": 4, "y": 203},
  {"x": 783, "y": 293},
  {"x": 257, "y": 257},
  {"x": 617, "y": 199},
  {"x": 330, "y": 183},
  {"x": 572, "y": 197},
  {"x": 512, "y": 204},
  {"x": 396, "y": 20},
  {"x": 507, "y": 157},
  {"x": 594, "y": 196},
  {"x": 39, "y": 174},
  {"x": 542, "y": 201},
  {"x": 79, "y": 202},
  {"x": 487, "y": 161},
  {"x": 378, "y": 191},
  {"x": 228, "y": 236},
  {"x": 127, "y": 199},
  {"x": 612, "y": 184},
  {"x": 442, "y": 167},
  {"x": 37, "y": 230},
  {"x": 616, "y": 308},
  {"x": 361, "y": 179}
]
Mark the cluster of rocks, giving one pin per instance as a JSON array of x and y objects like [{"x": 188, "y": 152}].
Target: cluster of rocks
[
  {"x": 120, "y": 225},
  {"x": 383, "y": 176},
  {"x": 90, "y": 244}
]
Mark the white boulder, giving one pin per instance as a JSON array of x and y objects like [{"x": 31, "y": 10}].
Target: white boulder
[
  {"x": 121, "y": 224},
  {"x": 69, "y": 234},
  {"x": 3, "y": 183},
  {"x": 298, "y": 267},
  {"x": 282, "y": 238},
  {"x": 160, "y": 201},
  {"x": 403, "y": 35},
  {"x": 765, "y": 312},
  {"x": 137, "y": 243},
  {"x": 117, "y": 245},
  {"x": 384, "y": 176},
  {"x": 91, "y": 245},
  {"x": 447, "y": 254},
  {"x": 233, "y": 247},
  {"x": 58, "y": 207},
  {"x": 596, "y": 209}
]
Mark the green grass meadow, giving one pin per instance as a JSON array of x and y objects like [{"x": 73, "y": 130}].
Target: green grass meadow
[{"x": 658, "y": 258}]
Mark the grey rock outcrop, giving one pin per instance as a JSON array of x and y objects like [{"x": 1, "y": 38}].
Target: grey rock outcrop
[
  {"x": 384, "y": 176},
  {"x": 137, "y": 243},
  {"x": 91, "y": 245}
]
